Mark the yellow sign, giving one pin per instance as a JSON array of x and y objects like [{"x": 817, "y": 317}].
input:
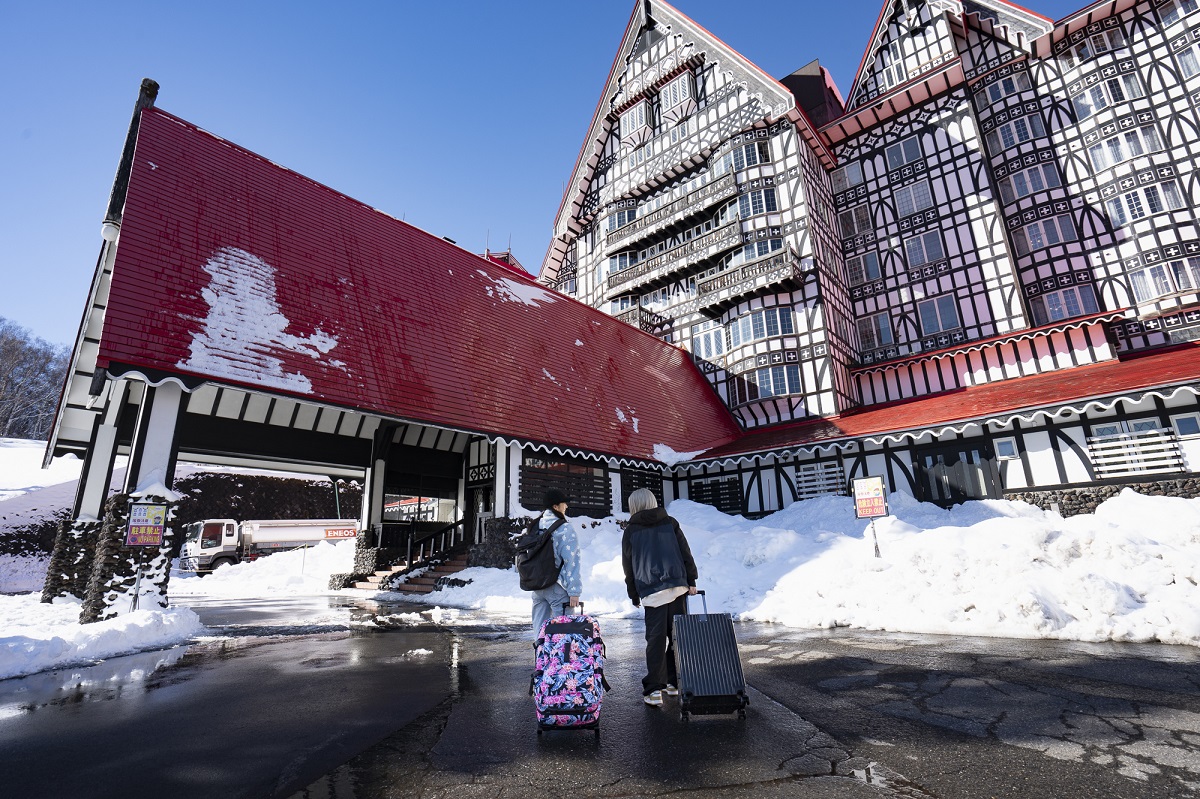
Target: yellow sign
[
  {"x": 147, "y": 524},
  {"x": 869, "y": 498}
]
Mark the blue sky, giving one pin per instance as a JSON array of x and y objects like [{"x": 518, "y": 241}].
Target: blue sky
[{"x": 463, "y": 118}]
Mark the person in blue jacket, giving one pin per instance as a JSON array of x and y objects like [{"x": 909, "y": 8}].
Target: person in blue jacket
[
  {"x": 548, "y": 602},
  {"x": 659, "y": 573}
]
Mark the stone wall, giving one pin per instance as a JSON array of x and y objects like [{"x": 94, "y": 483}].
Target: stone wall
[
  {"x": 1074, "y": 501},
  {"x": 496, "y": 550},
  {"x": 125, "y": 578},
  {"x": 71, "y": 559}
]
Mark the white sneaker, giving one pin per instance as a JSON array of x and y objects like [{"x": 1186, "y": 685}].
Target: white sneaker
[
  {"x": 653, "y": 698},
  {"x": 671, "y": 690}
]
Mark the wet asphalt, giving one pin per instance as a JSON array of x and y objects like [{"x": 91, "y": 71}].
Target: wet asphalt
[{"x": 392, "y": 701}]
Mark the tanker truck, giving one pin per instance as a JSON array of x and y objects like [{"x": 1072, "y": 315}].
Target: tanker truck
[{"x": 211, "y": 543}]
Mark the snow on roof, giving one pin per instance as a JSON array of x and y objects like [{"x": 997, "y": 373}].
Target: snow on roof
[{"x": 234, "y": 269}]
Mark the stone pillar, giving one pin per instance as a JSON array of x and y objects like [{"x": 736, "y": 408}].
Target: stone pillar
[
  {"x": 125, "y": 578},
  {"x": 75, "y": 543}
]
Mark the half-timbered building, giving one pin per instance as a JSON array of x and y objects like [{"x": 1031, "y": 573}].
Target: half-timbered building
[{"x": 977, "y": 276}]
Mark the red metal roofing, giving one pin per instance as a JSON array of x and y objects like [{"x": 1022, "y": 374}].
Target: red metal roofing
[
  {"x": 1068, "y": 386},
  {"x": 233, "y": 268}
]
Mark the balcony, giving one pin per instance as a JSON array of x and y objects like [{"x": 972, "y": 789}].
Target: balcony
[
  {"x": 644, "y": 319},
  {"x": 694, "y": 251},
  {"x": 733, "y": 285},
  {"x": 720, "y": 189}
]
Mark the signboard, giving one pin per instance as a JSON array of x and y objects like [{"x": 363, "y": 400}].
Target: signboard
[
  {"x": 869, "y": 499},
  {"x": 341, "y": 532},
  {"x": 146, "y": 525}
]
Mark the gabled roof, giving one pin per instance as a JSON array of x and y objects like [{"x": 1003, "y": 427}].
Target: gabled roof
[
  {"x": 233, "y": 269},
  {"x": 1019, "y": 397}
]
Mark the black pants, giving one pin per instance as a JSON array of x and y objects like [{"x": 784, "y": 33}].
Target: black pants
[{"x": 660, "y": 650}]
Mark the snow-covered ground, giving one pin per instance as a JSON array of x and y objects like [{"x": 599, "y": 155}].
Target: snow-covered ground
[{"x": 1129, "y": 572}]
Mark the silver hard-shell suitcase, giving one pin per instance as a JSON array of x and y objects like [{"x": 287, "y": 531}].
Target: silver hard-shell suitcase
[{"x": 708, "y": 665}]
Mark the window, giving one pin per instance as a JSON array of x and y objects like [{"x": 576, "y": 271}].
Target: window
[
  {"x": 634, "y": 118},
  {"x": 1100, "y": 96},
  {"x": 1064, "y": 304},
  {"x": 1027, "y": 181},
  {"x": 1044, "y": 233},
  {"x": 911, "y": 199},
  {"x": 621, "y": 261},
  {"x": 622, "y": 218},
  {"x": 770, "y": 381},
  {"x": 1006, "y": 449},
  {"x": 924, "y": 248},
  {"x": 1109, "y": 41},
  {"x": 759, "y": 201},
  {"x": 1187, "y": 424},
  {"x": 1017, "y": 82},
  {"x": 855, "y": 220},
  {"x": 752, "y": 251},
  {"x": 708, "y": 340},
  {"x": 862, "y": 268},
  {"x": 1175, "y": 10},
  {"x": 1013, "y": 133},
  {"x": 741, "y": 157},
  {"x": 847, "y": 176},
  {"x": 761, "y": 324},
  {"x": 893, "y": 66},
  {"x": 676, "y": 92},
  {"x": 902, "y": 153},
  {"x": 1146, "y": 201},
  {"x": 1161, "y": 280},
  {"x": 1120, "y": 148},
  {"x": 938, "y": 314},
  {"x": 875, "y": 331}
]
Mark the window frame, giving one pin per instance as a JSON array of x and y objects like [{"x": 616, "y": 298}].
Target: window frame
[
  {"x": 998, "y": 141},
  {"x": 1189, "y": 267},
  {"x": 1180, "y": 10},
  {"x": 852, "y": 213},
  {"x": 751, "y": 327},
  {"x": 857, "y": 275},
  {"x": 879, "y": 326},
  {"x": 922, "y": 238},
  {"x": 997, "y": 445},
  {"x": 1008, "y": 192},
  {"x": 1023, "y": 245},
  {"x": 1175, "y": 419},
  {"x": 1124, "y": 141},
  {"x": 1140, "y": 203},
  {"x": 940, "y": 305},
  {"x": 841, "y": 178},
  {"x": 1084, "y": 299},
  {"x": 1106, "y": 94},
  {"x": 906, "y": 154},
  {"x": 909, "y": 193}
]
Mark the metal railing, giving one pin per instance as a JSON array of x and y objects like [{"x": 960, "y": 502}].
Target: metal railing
[{"x": 426, "y": 546}]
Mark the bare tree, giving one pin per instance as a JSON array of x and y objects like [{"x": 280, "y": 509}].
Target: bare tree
[{"x": 31, "y": 377}]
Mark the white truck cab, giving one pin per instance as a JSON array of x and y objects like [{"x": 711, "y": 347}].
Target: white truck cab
[{"x": 211, "y": 543}]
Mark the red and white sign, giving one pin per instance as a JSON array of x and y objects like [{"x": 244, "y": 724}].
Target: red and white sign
[
  {"x": 869, "y": 499},
  {"x": 340, "y": 532}
]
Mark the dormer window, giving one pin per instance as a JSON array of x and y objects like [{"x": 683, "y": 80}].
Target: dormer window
[
  {"x": 635, "y": 123},
  {"x": 678, "y": 98}
]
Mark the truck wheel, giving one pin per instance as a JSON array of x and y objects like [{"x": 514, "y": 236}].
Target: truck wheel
[{"x": 219, "y": 562}]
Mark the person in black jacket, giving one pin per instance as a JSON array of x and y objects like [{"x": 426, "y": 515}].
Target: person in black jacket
[{"x": 659, "y": 573}]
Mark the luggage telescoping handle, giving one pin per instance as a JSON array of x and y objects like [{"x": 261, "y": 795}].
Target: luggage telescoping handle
[
  {"x": 703, "y": 599},
  {"x": 567, "y": 607}
]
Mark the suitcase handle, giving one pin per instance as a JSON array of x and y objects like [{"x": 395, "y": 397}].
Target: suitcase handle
[
  {"x": 703, "y": 598},
  {"x": 567, "y": 606}
]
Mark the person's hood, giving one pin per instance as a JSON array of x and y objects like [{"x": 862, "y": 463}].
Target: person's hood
[{"x": 649, "y": 517}]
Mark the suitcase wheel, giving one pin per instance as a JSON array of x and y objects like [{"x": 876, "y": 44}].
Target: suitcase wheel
[{"x": 742, "y": 715}]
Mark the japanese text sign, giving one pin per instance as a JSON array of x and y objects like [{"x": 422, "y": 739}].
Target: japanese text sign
[
  {"x": 146, "y": 525},
  {"x": 869, "y": 499}
]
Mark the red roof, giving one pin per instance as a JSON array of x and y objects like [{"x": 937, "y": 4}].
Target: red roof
[
  {"x": 1007, "y": 397},
  {"x": 233, "y": 268}
]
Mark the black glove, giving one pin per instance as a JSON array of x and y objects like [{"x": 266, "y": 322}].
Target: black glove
[{"x": 637, "y": 603}]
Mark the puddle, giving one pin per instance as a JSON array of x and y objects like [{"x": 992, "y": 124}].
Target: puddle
[{"x": 106, "y": 680}]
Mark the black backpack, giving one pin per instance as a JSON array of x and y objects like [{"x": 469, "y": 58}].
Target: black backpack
[{"x": 535, "y": 557}]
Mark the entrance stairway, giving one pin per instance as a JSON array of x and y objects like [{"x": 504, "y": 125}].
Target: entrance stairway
[{"x": 421, "y": 584}]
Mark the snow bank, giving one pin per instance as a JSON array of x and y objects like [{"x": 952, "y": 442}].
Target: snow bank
[
  {"x": 21, "y": 468},
  {"x": 993, "y": 568},
  {"x": 35, "y": 637},
  {"x": 299, "y": 572}
]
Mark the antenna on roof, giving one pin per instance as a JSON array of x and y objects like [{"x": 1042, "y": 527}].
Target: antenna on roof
[{"x": 487, "y": 240}]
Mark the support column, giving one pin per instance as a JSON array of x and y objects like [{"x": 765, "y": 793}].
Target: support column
[
  {"x": 366, "y": 549},
  {"x": 123, "y": 577},
  {"x": 75, "y": 543}
]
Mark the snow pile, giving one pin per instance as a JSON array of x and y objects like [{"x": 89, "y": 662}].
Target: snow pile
[
  {"x": 35, "y": 637},
  {"x": 992, "y": 568},
  {"x": 22, "y": 573},
  {"x": 299, "y": 572}
]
